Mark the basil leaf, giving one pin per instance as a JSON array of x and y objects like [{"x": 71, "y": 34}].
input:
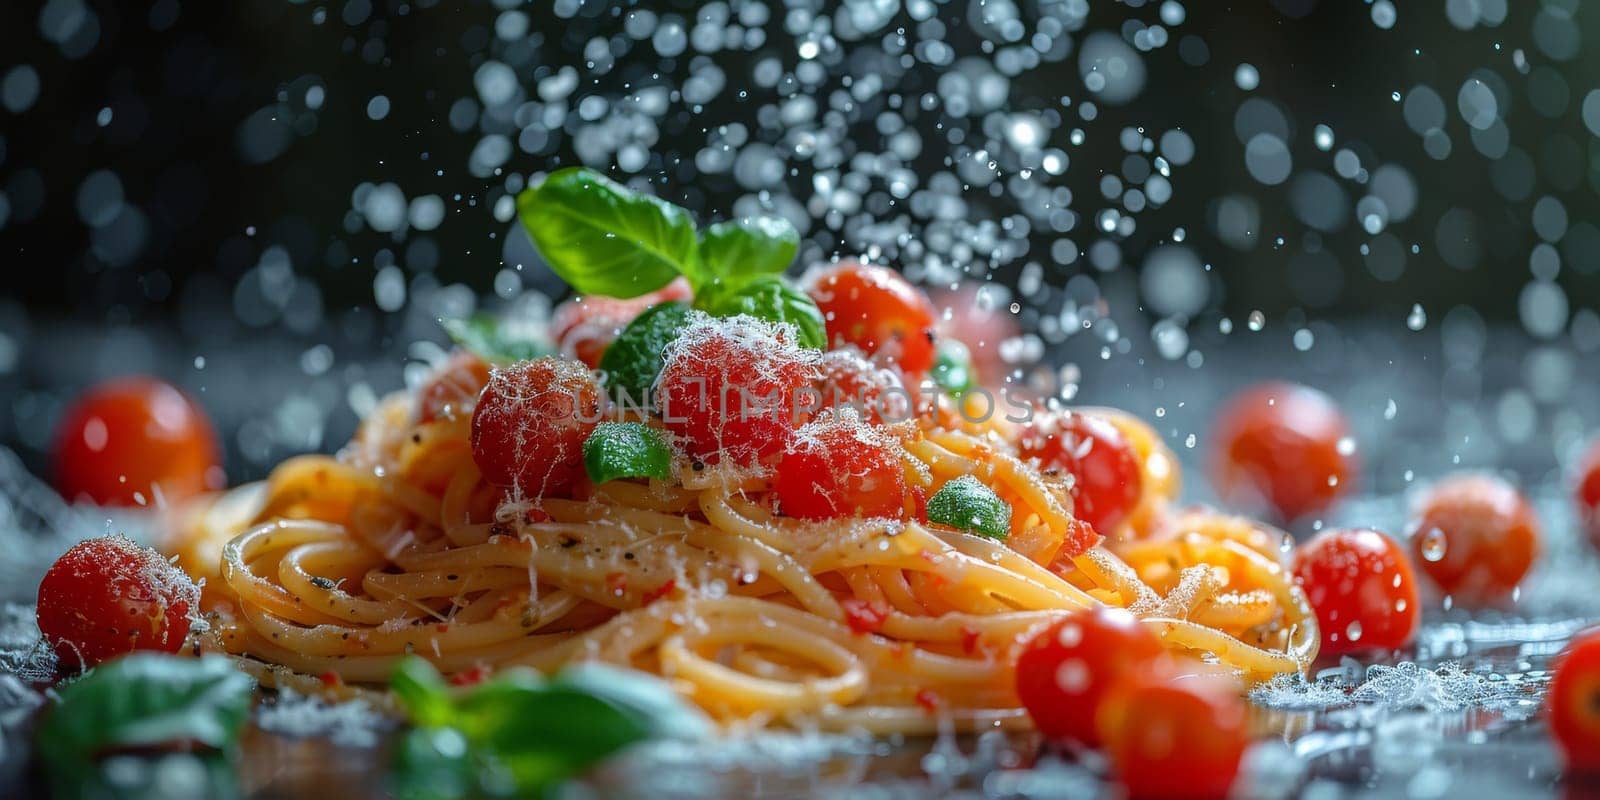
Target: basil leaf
[
  {"x": 421, "y": 691},
  {"x": 770, "y": 298},
  {"x": 495, "y": 340},
  {"x": 966, "y": 504},
  {"x": 952, "y": 367},
  {"x": 604, "y": 238},
  {"x": 746, "y": 246},
  {"x": 631, "y": 363},
  {"x": 210, "y": 775},
  {"x": 547, "y": 734},
  {"x": 662, "y": 711},
  {"x": 626, "y": 450},
  {"x": 145, "y": 700},
  {"x": 520, "y": 735},
  {"x": 433, "y": 764}
]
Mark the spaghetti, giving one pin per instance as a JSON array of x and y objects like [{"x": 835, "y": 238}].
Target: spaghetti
[{"x": 340, "y": 565}]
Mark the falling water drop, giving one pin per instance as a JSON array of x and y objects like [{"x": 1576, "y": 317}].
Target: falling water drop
[{"x": 1417, "y": 319}]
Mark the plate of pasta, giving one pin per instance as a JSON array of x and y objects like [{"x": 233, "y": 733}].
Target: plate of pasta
[{"x": 706, "y": 500}]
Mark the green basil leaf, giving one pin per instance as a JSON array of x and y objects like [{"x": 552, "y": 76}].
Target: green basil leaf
[
  {"x": 746, "y": 246},
  {"x": 770, "y": 298},
  {"x": 208, "y": 775},
  {"x": 540, "y": 735},
  {"x": 604, "y": 238},
  {"x": 952, "y": 367},
  {"x": 421, "y": 691},
  {"x": 433, "y": 764},
  {"x": 495, "y": 340},
  {"x": 626, "y": 450},
  {"x": 966, "y": 504},
  {"x": 662, "y": 711},
  {"x": 145, "y": 700},
  {"x": 631, "y": 363}
]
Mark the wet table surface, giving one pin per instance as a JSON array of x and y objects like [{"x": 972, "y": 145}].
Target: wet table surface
[{"x": 1457, "y": 716}]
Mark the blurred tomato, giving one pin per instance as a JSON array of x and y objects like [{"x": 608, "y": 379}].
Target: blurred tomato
[{"x": 135, "y": 438}]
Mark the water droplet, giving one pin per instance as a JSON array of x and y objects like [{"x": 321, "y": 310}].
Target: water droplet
[
  {"x": 1257, "y": 321},
  {"x": 1417, "y": 319},
  {"x": 1073, "y": 676},
  {"x": 1353, "y": 631},
  {"x": 1346, "y": 446},
  {"x": 1391, "y": 409},
  {"x": 1434, "y": 544}
]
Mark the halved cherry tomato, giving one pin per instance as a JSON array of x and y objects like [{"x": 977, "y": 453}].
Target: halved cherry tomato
[
  {"x": 108, "y": 596},
  {"x": 1363, "y": 589},
  {"x": 846, "y": 379},
  {"x": 1105, "y": 469},
  {"x": 584, "y": 326},
  {"x": 1174, "y": 737},
  {"x": 127, "y": 439},
  {"x": 727, "y": 388},
  {"x": 1572, "y": 704},
  {"x": 875, "y": 309},
  {"x": 530, "y": 423},
  {"x": 1065, "y": 670},
  {"x": 1284, "y": 446},
  {"x": 453, "y": 388},
  {"x": 839, "y": 467},
  {"x": 1476, "y": 536},
  {"x": 1588, "y": 491}
]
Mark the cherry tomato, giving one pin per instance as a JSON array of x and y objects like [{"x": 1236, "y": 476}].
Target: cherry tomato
[
  {"x": 129, "y": 438},
  {"x": 983, "y": 325},
  {"x": 1573, "y": 703},
  {"x": 1285, "y": 446},
  {"x": 875, "y": 309},
  {"x": 1361, "y": 584},
  {"x": 453, "y": 389},
  {"x": 530, "y": 423},
  {"x": 108, "y": 596},
  {"x": 584, "y": 326},
  {"x": 1105, "y": 469},
  {"x": 728, "y": 389},
  {"x": 1065, "y": 670},
  {"x": 1589, "y": 492},
  {"x": 1174, "y": 737},
  {"x": 1476, "y": 536},
  {"x": 840, "y": 467},
  {"x": 846, "y": 379}
]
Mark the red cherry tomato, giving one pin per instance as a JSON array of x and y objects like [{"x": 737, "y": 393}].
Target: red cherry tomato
[
  {"x": 1476, "y": 536},
  {"x": 108, "y": 596},
  {"x": 846, "y": 379},
  {"x": 875, "y": 309},
  {"x": 1285, "y": 446},
  {"x": 1361, "y": 584},
  {"x": 585, "y": 326},
  {"x": 1065, "y": 670},
  {"x": 1572, "y": 703},
  {"x": 1589, "y": 492},
  {"x": 1174, "y": 738},
  {"x": 453, "y": 389},
  {"x": 129, "y": 438},
  {"x": 530, "y": 423},
  {"x": 1104, "y": 466},
  {"x": 728, "y": 389},
  {"x": 838, "y": 467}
]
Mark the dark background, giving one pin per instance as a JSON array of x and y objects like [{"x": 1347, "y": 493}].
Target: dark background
[{"x": 208, "y": 192}]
